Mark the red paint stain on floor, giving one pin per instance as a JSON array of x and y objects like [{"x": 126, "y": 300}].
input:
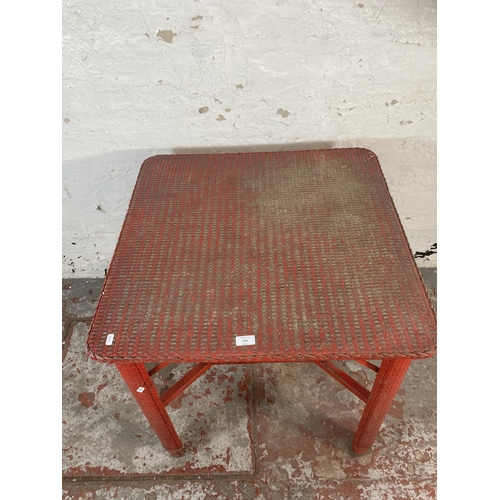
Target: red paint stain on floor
[{"x": 86, "y": 399}]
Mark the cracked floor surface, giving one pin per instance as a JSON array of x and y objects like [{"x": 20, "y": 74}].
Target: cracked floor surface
[{"x": 266, "y": 431}]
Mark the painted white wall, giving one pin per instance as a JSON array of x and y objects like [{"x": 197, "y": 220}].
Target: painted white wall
[{"x": 154, "y": 76}]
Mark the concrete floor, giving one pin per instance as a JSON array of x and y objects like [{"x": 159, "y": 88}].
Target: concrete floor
[{"x": 269, "y": 431}]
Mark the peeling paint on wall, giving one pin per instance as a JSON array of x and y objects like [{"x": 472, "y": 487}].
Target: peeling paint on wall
[
  {"x": 295, "y": 75},
  {"x": 283, "y": 112},
  {"x": 427, "y": 253},
  {"x": 166, "y": 35}
]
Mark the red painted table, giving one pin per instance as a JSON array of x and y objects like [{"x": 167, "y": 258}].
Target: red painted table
[{"x": 263, "y": 257}]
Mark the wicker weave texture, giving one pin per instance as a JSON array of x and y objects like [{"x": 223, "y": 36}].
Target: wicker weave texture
[
  {"x": 144, "y": 391},
  {"x": 385, "y": 388},
  {"x": 302, "y": 249}
]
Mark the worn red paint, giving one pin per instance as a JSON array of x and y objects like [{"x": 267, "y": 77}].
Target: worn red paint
[
  {"x": 251, "y": 190},
  {"x": 86, "y": 399},
  {"x": 228, "y": 397},
  {"x": 397, "y": 409},
  {"x": 86, "y": 470}
]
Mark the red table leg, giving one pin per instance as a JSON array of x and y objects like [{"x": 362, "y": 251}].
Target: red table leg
[
  {"x": 144, "y": 391},
  {"x": 387, "y": 383}
]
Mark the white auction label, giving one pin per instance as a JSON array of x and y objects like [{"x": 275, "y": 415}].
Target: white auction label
[
  {"x": 109, "y": 338},
  {"x": 140, "y": 389},
  {"x": 245, "y": 340}
]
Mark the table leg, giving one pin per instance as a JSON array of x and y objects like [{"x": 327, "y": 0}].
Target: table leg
[
  {"x": 144, "y": 391},
  {"x": 387, "y": 383}
]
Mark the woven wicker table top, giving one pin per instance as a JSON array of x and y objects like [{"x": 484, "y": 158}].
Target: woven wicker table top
[{"x": 304, "y": 250}]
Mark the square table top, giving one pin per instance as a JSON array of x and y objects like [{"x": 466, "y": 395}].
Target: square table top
[{"x": 304, "y": 250}]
